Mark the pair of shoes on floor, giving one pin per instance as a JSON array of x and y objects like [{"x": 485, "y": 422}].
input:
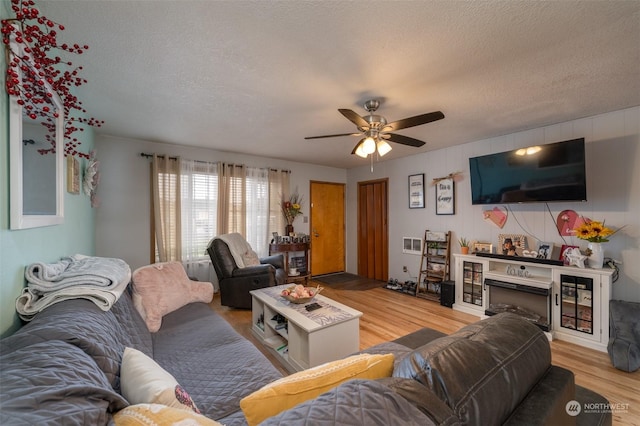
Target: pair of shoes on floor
[{"x": 393, "y": 285}]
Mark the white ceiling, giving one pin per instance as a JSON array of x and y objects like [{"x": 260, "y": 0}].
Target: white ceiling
[{"x": 258, "y": 76}]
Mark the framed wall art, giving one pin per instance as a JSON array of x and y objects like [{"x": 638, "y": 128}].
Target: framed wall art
[
  {"x": 445, "y": 196},
  {"x": 416, "y": 191},
  {"x": 73, "y": 175}
]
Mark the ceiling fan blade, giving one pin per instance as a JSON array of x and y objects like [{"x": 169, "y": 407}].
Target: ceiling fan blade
[
  {"x": 404, "y": 140},
  {"x": 414, "y": 121},
  {"x": 356, "y": 147},
  {"x": 333, "y": 136},
  {"x": 355, "y": 118}
]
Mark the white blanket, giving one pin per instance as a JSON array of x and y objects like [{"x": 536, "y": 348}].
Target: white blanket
[
  {"x": 74, "y": 270},
  {"x": 238, "y": 247},
  {"x": 101, "y": 280}
]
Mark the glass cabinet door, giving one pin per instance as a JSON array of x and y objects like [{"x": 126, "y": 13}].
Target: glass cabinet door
[
  {"x": 576, "y": 310},
  {"x": 472, "y": 283}
]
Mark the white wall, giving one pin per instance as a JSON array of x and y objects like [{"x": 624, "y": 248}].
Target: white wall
[
  {"x": 613, "y": 169},
  {"x": 122, "y": 220},
  {"x": 613, "y": 193}
]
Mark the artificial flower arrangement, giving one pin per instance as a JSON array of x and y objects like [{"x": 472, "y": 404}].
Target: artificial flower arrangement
[
  {"x": 292, "y": 208},
  {"x": 594, "y": 231}
]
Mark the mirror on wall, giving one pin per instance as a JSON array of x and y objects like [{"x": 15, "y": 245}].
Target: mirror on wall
[{"x": 36, "y": 173}]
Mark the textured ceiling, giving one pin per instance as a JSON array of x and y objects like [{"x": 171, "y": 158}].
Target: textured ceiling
[{"x": 258, "y": 76}]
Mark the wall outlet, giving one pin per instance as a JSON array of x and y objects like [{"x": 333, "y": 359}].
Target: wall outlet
[{"x": 404, "y": 269}]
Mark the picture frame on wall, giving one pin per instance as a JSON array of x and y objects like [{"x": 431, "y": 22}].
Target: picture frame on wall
[
  {"x": 445, "y": 197},
  {"x": 73, "y": 175},
  {"x": 416, "y": 191}
]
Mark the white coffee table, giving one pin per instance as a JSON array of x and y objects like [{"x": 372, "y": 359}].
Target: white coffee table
[{"x": 309, "y": 338}]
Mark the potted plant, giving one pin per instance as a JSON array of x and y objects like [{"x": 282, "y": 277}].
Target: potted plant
[
  {"x": 464, "y": 245},
  {"x": 433, "y": 248}
]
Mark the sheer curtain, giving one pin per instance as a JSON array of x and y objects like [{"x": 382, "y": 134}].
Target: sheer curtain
[
  {"x": 257, "y": 210},
  {"x": 249, "y": 201},
  {"x": 199, "y": 196},
  {"x": 165, "y": 185},
  {"x": 194, "y": 201},
  {"x": 278, "y": 192}
]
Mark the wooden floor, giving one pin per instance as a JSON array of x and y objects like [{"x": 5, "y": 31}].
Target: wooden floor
[{"x": 388, "y": 315}]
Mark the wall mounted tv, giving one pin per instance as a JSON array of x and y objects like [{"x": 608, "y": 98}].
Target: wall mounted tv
[{"x": 552, "y": 172}]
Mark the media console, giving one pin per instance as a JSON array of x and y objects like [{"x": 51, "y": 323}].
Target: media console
[{"x": 567, "y": 302}]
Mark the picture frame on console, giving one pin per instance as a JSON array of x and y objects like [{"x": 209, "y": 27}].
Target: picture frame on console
[
  {"x": 547, "y": 251},
  {"x": 563, "y": 251},
  {"x": 512, "y": 244},
  {"x": 479, "y": 247}
]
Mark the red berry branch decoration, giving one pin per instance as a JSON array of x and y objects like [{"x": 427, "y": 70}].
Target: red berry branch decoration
[{"x": 35, "y": 73}]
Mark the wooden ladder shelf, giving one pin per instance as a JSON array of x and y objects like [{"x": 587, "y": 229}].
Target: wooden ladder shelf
[{"x": 434, "y": 264}]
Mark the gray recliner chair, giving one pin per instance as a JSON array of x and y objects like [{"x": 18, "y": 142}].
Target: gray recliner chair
[
  {"x": 236, "y": 282},
  {"x": 624, "y": 335}
]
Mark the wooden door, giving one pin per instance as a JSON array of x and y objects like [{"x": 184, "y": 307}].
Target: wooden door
[
  {"x": 373, "y": 238},
  {"x": 327, "y": 227}
]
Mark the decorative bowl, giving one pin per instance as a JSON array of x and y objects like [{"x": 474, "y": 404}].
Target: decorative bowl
[{"x": 300, "y": 300}]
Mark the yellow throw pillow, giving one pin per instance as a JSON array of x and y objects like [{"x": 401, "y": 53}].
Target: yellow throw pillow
[
  {"x": 143, "y": 381},
  {"x": 159, "y": 415},
  {"x": 290, "y": 391}
]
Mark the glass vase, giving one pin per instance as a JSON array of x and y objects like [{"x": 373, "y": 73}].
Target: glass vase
[{"x": 596, "y": 259}]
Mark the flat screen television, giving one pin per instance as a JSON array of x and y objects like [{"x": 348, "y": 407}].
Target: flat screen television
[{"x": 542, "y": 173}]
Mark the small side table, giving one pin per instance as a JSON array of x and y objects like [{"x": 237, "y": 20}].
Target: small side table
[{"x": 296, "y": 254}]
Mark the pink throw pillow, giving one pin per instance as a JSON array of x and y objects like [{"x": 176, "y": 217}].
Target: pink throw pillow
[{"x": 162, "y": 288}]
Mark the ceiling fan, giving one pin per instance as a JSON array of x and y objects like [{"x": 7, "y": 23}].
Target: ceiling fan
[{"x": 376, "y": 130}]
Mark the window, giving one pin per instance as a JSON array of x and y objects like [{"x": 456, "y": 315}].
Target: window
[
  {"x": 210, "y": 204},
  {"x": 199, "y": 207}
]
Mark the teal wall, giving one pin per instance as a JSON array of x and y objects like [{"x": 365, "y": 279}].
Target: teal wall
[{"x": 48, "y": 244}]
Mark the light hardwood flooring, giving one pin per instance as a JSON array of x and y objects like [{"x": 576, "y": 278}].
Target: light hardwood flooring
[{"x": 388, "y": 315}]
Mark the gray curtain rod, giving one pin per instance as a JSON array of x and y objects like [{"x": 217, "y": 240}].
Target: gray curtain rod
[{"x": 143, "y": 154}]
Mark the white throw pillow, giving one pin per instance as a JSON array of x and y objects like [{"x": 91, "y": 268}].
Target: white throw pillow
[{"x": 142, "y": 381}]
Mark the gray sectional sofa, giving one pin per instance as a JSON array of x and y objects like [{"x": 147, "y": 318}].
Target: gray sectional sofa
[
  {"x": 63, "y": 368},
  {"x": 494, "y": 372}
]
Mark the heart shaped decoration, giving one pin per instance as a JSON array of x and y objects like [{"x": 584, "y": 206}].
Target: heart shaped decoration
[
  {"x": 497, "y": 216},
  {"x": 567, "y": 221}
]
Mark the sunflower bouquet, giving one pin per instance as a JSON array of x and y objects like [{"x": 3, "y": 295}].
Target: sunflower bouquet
[{"x": 594, "y": 231}]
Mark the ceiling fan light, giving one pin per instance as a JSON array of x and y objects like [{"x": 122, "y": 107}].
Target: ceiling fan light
[
  {"x": 533, "y": 150},
  {"x": 383, "y": 147},
  {"x": 368, "y": 145},
  {"x": 360, "y": 151}
]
